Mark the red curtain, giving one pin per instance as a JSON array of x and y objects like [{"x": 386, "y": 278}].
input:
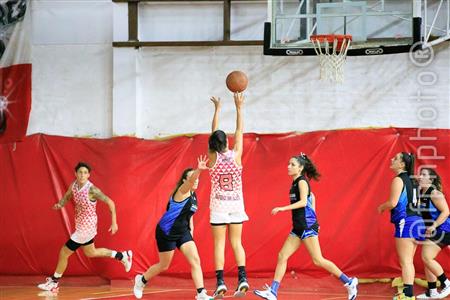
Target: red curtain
[{"x": 140, "y": 174}]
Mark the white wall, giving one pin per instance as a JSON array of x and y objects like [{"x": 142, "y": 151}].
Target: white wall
[
  {"x": 72, "y": 67},
  {"x": 82, "y": 86},
  {"x": 285, "y": 93}
]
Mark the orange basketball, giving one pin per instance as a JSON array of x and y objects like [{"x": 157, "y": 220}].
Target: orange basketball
[{"x": 237, "y": 81}]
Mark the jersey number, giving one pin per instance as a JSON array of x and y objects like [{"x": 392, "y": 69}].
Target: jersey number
[{"x": 225, "y": 182}]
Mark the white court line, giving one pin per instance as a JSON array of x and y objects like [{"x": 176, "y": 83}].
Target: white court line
[{"x": 130, "y": 294}]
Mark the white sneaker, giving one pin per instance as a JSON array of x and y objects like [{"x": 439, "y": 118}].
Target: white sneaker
[
  {"x": 432, "y": 295},
  {"x": 127, "y": 260},
  {"x": 220, "y": 291},
  {"x": 241, "y": 289},
  {"x": 49, "y": 285},
  {"x": 203, "y": 296},
  {"x": 444, "y": 292},
  {"x": 138, "y": 288},
  {"x": 352, "y": 288},
  {"x": 266, "y": 293}
]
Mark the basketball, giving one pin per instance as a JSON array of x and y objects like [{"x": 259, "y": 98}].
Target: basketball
[{"x": 237, "y": 81}]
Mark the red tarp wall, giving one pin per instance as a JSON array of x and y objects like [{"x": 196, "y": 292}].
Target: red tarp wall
[{"x": 140, "y": 174}]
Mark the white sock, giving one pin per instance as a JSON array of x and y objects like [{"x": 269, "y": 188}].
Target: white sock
[
  {"x": 57, "y": 275},
  {"x": 113, "y": 254}
]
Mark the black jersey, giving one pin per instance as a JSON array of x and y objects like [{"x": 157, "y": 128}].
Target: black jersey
[
  {"x": 407, "y": 203},
  {"x": 303, "y": 218}
]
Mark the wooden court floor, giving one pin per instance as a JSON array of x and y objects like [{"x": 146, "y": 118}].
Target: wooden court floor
[{"x": 164, "y": 287}]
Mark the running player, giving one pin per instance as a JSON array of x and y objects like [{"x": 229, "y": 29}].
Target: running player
[
  {"x": 305, "y": 229},
  {"x": 85, "y": 195},
  {"x": 175, "y": 230}
]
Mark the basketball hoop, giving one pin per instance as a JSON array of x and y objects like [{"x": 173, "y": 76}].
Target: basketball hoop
[{"x": 332, "y": 52}]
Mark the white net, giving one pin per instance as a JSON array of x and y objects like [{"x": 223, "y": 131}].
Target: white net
[{"x": 332, "y": 52}]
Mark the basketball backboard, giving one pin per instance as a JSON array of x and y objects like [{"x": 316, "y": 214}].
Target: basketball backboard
[{"x": 377, "y": 26}]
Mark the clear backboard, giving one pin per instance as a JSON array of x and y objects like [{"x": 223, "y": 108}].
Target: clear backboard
[{"x": 376, "y": 26}]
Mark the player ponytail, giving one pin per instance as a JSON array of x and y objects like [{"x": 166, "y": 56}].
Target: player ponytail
[
  {"x": 309, "y": 169},
  {"x": 408, "y": 159}
]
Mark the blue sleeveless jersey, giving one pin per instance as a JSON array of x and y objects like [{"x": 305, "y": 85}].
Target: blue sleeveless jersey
[
  {"x": 430, "y": 213},
  {"x": 175, "y": 221}
]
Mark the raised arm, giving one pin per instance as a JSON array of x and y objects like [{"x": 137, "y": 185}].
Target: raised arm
[
  {"x": 396, "y": 190},
  {"x": 238, "y": 135},
  {"x": 189, "y": 183},
  {"x": 217, "y": 106},
  {"x": 67, "y": 196},
  {"x": 98, "y": 194}
]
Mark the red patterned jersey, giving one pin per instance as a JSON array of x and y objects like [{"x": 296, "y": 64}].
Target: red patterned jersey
[
  {"x": 226, "y": 184},
  {"x": 85, "y": 214}
]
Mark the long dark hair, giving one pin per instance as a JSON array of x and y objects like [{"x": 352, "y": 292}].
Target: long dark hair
[
  {"x": 435, "y": 179},
  {"x": 309, "y": 169},
  {"x": 183, "y": 177},
  {"x": 409, "y": 159},
  {"x": 217, "y": 141}
]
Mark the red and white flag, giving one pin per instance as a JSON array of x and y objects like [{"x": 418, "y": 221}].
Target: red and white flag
[{"x": 15, "y": 69}]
